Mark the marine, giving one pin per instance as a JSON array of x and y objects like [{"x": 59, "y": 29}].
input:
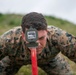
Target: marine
[{"x": 14, "y": 53}]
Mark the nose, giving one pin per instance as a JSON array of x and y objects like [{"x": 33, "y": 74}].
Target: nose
[{"x": 38, "y": 42}]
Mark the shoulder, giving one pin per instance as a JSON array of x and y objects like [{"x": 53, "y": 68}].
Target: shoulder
[
  {"x": 59, "y": 32},
  {"x": 57, "y": 35},
  {"x": 54, "y": 30},
  {"x": 15, "y": 30},
  {"x": 11, "y": 34}
]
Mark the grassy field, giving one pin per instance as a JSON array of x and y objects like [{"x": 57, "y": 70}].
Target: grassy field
[{"x": 8, "y": 21}]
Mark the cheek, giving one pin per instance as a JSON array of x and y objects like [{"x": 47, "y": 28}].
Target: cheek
[{"x": 43, "y": 42}]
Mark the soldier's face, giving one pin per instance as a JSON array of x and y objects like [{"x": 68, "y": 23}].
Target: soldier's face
[{"x": 42, "y": 38}]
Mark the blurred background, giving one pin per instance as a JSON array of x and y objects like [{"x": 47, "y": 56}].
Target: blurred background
[{"x": 60, "y": 13}]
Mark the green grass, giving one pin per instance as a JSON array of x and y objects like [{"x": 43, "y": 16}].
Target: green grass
[
  {"x": 8, "y": 21},
  {"x": 26, "y": 70}
]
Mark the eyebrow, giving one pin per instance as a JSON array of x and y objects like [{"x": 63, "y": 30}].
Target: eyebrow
[{"x": 41, "y": 37}]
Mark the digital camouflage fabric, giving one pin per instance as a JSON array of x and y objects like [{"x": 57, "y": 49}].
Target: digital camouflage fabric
[{"x": 14, "y": 53}]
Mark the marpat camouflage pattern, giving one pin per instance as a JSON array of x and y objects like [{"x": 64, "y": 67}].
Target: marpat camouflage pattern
[{"x": 14, "y": 54}]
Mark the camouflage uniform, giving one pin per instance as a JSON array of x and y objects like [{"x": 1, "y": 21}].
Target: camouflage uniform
[{"x": 14, "y": 53}]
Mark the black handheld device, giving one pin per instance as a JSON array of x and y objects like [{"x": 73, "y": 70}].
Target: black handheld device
[{"x": 31, "y": 37}]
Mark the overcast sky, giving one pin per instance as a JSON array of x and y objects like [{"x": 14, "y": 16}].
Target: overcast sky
[{"x": 65, "y": 9}]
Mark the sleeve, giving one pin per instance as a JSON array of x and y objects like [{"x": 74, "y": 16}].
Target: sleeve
[
  {"x": 3, "y": 47},
  {"x": 8, "y": 42},
  {"x": 64, "y": 41},
  {"x": 67, "y": 44},
  {"x": 3, "y": 64}
]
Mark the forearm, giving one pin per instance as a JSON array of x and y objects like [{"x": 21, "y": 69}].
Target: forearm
[
  {"x": 69, "y": 51},
  {"x": 57, "y": 66},
  {"x": 68, "y": 46},
  {"x": 3, "y": 64}
]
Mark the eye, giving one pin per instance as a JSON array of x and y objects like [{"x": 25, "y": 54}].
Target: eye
[{"x": 41, "y": 38}]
